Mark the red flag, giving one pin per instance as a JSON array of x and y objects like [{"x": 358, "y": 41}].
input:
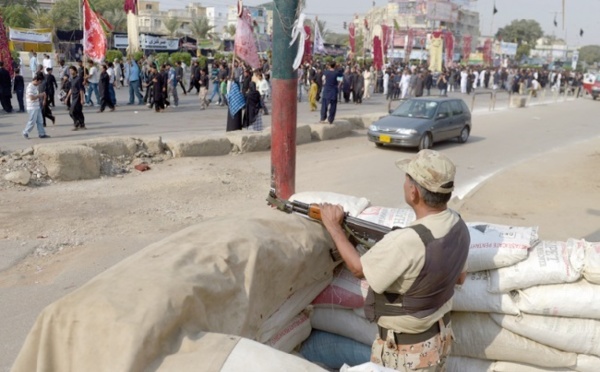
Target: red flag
[
  {"x": 352, "y": 31},
  {"x": 409, "y": 44},
  {"x": 467, "y": 47},
  {"x": 449, "y": 41},
  {"x": 4, "y": 51},
  {"x": 130, "y": 6},
  {"x": 307, "y": 57},
  {"x": 244, "y": 43},
  {"x": 385, "y": 30},
  {"x": 487, "y": 51},
  {"x": 94, "y": 38},
  {"x": 377, "y": 55}
]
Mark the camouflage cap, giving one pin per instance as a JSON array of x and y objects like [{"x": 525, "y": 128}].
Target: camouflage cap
[{"x": 430, "y": 169}]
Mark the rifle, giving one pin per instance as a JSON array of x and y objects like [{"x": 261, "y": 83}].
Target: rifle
[{"x": 358, "y": 231}]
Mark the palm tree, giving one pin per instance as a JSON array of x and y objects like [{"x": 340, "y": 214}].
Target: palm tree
[
  {"x": 16, "y": 15},
  {"x": 172, "y": 25},
  {"x": 230, "y": 29},
  {"x": 201, "y": 29}
]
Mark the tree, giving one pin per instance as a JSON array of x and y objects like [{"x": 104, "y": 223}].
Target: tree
[
  {"x": 172, "y": 24},
  {"x": 553, "y": 40},
  {"x": 117, "y": 18},
  {"x": 65, "y": 15},
  {"x": 521, "y": 31},
  {"x": 339, "y": 39},
  {"x": 230, "y": 30},
  {"x": 590, "y": 54},
  {"x": 16, "y": 15},
  {"x": 201, "y": 28}
]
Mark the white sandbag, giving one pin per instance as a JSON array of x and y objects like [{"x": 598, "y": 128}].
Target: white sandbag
[
  {"x": 344, "y": 323},
  {"x": 217, "y": 352},
  {"x": 575, "y": 300},
  {"x": 587, "y": 363},
  {"x": 569, "y": 334},
  {"x": 345, "y": 291},
  {"x": 466, "y": 364},
  {"x": 591, "y": 267},
  {"x": 253, "y": 356},
  {"x": 474, "y": 296},
  {"x": 366, "y": 367},
  {"x": 478, "y": 336},
  {"x": 493, "y": 246},
  {"x": 549, "y": 262},
  {"x": 290, "y": 336},
  {"x": 297, "y": 302},
  {"x": 351, "y": 204},
  {"x": 501, "y": 366},
  {"x": 389, "y": 217}
]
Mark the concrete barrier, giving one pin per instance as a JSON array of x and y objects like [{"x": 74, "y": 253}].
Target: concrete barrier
[
  {"x": 248, "y": 141},
  {"x": 70, "y": 162},
  {"x": 154, "y": 145},
  {"x": 323, "y": 132},
  {"x": 204, "y": 146},
  {"x": 303, "y": 134},
  {"x": 518, "y": 101},
  {"x": 111, "y": 146},
  {"x": 364, "y": 121}
]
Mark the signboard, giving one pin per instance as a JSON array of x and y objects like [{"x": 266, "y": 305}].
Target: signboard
[
  {"x": 147, "y": 42},
  {"x": 42, "y": 35},
  {"x": 574, "y": 59},
  {"x": 441, "y": 11},
  {"x": 509, "y": 49}
]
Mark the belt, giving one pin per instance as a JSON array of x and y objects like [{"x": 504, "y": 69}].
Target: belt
[{"x": 415, "y": 338}]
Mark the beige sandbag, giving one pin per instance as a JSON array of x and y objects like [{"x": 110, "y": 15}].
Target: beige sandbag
[
  {"x": 478, "y": 336},
  {"x": 501, "y": 366},
  {"x": 213, "y": 352},
  {"x": 344, "y": 322},
  {"x": 466, "y": 364},
  {"x": 587, "y": 363},
  {"x": 591, "y": 268},
  {"x": 576, "y": 300},
  {"x": 226, "y": 275},
  {"x": 351, "y": 204},
  {"x": 493, "y": 246},
  {"x": 549, "y": 262},
  {"x": 473, "y": 296},
  {"x": 390, "y": 217},
  {"x": 568, "y": 334}
]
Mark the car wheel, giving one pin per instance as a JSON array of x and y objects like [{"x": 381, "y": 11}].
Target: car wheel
[
  {"x": 426, "y": 142},
  {"x": 464, "y": 135},
  {"x": 378, "y": 144}
]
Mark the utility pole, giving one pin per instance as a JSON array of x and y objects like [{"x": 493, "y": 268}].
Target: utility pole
[{"x": 285, "y": 105}]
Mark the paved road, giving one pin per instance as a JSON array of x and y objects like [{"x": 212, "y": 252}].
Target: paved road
[{"x": 185, "y": 120}]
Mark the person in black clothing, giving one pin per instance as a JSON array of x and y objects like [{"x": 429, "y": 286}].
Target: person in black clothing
[
  {"x": 246, "y": 82},
  {"x": 194, "y": 75},
  {"x": 44, "y": 102},
  {"x": 330, "y": 93},
  {"x": 179, "y": 76},
  {"x": 158, "y": 90},
  {"x": 164, "y": 74},
  {"x": 51, "y": 86},
  {"x": 19, "y": 89},
  {"x": 5, "y": 88},
  {"x": 104, "y": 88},
  {"x": 77, "y": 96}
]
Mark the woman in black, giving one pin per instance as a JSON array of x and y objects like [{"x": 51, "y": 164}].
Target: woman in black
[
  {"x": 253, "y": 106},
  {"x": 103, "y": 87},
  {"x": 158, "y": 90}
]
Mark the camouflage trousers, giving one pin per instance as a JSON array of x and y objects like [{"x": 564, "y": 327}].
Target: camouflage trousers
[{"x": 426, "y": 356}]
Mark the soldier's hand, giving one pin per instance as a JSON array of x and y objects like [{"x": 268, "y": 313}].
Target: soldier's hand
[{"x": 331, "y": 215}]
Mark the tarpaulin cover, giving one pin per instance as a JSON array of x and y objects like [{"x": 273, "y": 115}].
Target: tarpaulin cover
[{"x": 226, "y": 275}]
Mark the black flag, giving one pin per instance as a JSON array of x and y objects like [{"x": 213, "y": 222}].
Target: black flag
[
  {"x": 555, "y": 23},
  {"x": 581, "y": 32},
  {"x": 495, "y": 10}
]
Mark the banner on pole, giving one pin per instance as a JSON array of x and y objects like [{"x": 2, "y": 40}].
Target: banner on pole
[
  {"x": 245, "y": 44},
  {"x": 94, "y": 38}
]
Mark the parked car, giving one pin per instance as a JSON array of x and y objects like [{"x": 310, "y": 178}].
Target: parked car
[
  {"x": 420, "y": 122},
  {"x": 591, "y": 84}
]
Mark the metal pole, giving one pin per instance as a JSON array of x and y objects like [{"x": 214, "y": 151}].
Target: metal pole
[{"x": 285, "y": 106}]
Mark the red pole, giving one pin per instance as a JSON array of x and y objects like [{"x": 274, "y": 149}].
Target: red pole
[{"x": 284, "y": 84}]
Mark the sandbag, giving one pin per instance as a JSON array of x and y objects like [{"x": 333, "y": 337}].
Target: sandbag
[
  {"x": 344, "y": 323},
  {"x": 466, "y": 364},
  {"x": 214, "y": 352},
  {"x": 366, "y": 367},
  {"x": 501, "y": 366},
  {"x": 478, "y": 336},
  {"x": 549, "y": 262},
  {"x": 568, "y": 334},
  {"x": 474, "y": 296},
  {"x": 587, "y": 363},
  {"x": 351, "y": 204},
  {"x": 292, "y": 335},
  {"x": 345, "y": 291},
  {"x": 333, "y": 351},
  {"x": 493, "y": 246},
  {"x": 226, "y": 275},
  {"x": 591, "y": 268},
  {"x": 390, "y": 217},
  {"x": 576, "y": 300}
]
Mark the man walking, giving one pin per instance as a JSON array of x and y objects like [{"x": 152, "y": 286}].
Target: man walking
[
  {"x": 330, "y": 93},
  {"x": 93, "y": 78},
  {"x": 77, "y": 98},
  {"x": 412, "y": 271},
  {"x": 179, "y": 73},
  {"x": 33, "y": 98},
  {"x": 5, "y": 89},
  {"x": 134, "y": 82},
  {"x": 33, "y": 64}
]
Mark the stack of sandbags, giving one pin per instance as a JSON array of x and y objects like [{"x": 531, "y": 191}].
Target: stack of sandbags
[{"x": 553, "y": 323}]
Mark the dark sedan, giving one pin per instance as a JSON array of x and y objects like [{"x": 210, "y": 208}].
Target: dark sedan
[{"x": 420, "y": 122}]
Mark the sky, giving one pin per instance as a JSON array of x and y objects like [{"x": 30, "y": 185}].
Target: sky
[{"x": 579, "y": 14}]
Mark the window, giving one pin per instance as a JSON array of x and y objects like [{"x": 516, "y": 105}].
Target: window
[
  {"x": 445, "y": 109},
  {"x": 148, "y": 6},
  {"x": 260, "y": 13},
  {"x": 457, "y": 108}
]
